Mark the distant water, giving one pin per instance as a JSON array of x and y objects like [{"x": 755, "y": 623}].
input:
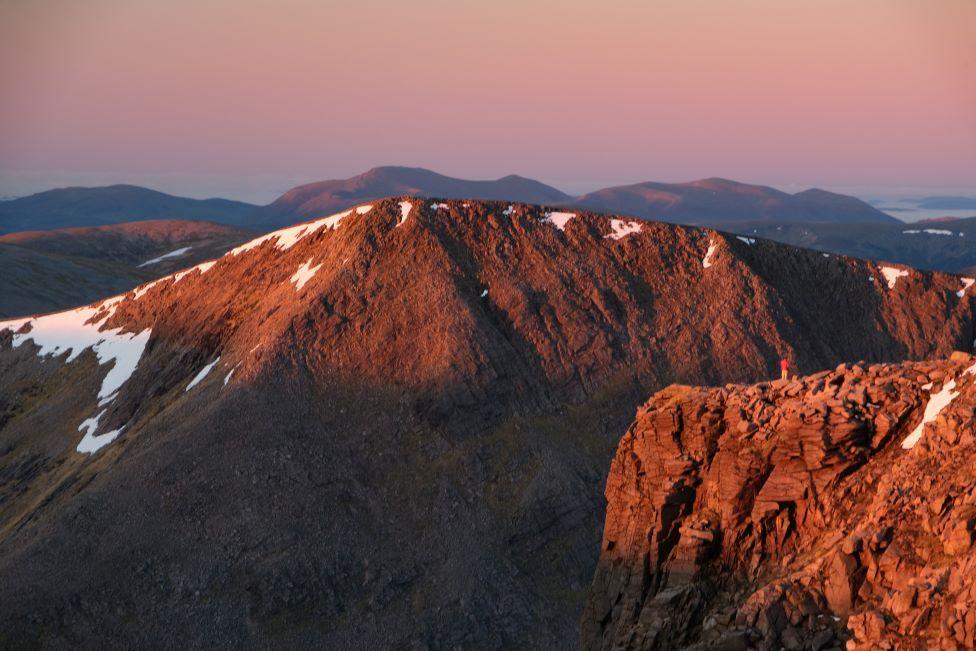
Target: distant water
[{"x": 908, "y": 211}]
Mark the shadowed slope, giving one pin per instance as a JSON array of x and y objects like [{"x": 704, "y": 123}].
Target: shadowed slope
[{"x": 390, "y": 426}]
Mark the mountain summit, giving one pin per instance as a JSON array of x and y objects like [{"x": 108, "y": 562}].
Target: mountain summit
[
  {"x": 391, "y": 426},
  {"x": 306, "y": 201},
  {"x": 708, "y": 201}
]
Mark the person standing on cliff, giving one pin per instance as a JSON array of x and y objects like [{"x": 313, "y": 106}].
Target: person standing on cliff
[{"x": 784, "y": 367}]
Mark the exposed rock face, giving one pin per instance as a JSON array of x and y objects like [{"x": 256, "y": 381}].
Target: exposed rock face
[
  {"x": 390, "y": 427},
  {"x": 790, "y": 514}
]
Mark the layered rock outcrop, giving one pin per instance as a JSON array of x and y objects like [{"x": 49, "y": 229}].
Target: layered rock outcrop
[{"x": 833, "y": 510}]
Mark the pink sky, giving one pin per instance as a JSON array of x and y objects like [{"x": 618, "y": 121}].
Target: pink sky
[{"x": 247, "y": 97}]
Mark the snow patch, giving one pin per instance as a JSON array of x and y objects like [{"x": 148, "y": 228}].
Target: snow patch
[
  {"x": 937, "y": 402},
  {"x": 202, "y": 374},
  {"x": 304, "y": 274},
  {"x": 171, "y": 254},
  {"x": 826, "y": 255},
  {"x": 90, "y": 443},
  {"x": 203, "y": 268},
  {"x": 748, "y": 240},
  {"x": 289, "y": 237},
  {"x": 439, "y": 206},
  {"x": 892, "y": 274},
  {"x": 559, "y": 219},
  {"x": 362, "y": 210},
  {"x": 142, "y": 289},
  {"x": 930, "y": 231},
  {"x": 75, "y": 331},
  {"x": 622, "y": 229},
  {"x": 707, "y": 260},
  {"x": 228, "y": 376},
  {"x": 405, "y": 207},
  {"x": 484, "y": 293},
  {"x": 966, "y": 284},
  {"x": 508, "y": 211},
  {"x": 15, "y": 325}
]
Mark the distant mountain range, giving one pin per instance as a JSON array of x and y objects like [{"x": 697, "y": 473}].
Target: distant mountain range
[
  {"x": 705, "y": 202},
  {"x": 715, "y": 201},
  {"x": 113, "y": 204},
  {"x": 326, "y": 197},
  {"x": 817, "y": 219}
]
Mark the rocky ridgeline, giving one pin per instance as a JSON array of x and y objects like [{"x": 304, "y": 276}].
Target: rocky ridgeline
[
  {"x": 391, "y": 427},
  {"x": 795, "y": 514}
]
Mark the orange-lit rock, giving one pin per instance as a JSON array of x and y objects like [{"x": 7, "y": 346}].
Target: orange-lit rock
[{"x": 791, "y": 515}]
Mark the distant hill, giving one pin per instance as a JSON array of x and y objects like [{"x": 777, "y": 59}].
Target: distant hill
[
  {"x": 44, "y": 271},
  {"x": 705, "y": 202},
  {"x": 114, "y": 204},
  {"x": 717, "y": 201},
  {"x": 326, "y": 197}
]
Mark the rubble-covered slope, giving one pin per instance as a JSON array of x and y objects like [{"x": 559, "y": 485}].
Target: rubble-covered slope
[
  {"x": 832, "y": 509},
  {"x": 390, "y": 426}
]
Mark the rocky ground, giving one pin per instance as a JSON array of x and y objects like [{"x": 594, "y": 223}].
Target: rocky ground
[
  {"x": 390, "y": 427},
  {"x": 829, "y": 511}
]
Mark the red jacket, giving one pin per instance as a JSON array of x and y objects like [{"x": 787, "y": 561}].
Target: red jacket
[{"x": 784, "y": 365}]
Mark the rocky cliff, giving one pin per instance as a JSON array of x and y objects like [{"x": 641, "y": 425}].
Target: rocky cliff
[
  {"x": 830, "y": 510},
  {"x": 390, "y": 426}
]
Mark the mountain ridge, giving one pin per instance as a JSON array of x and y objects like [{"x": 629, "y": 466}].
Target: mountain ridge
[
  {"x": 704, "y": 202},
  {"x": 695, "y": 203},
  {"x": 440, "y": 382},
  {"x": 322, "y": 197}
]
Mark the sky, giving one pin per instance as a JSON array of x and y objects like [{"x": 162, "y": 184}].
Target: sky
[{"x": 246, "y": 98}]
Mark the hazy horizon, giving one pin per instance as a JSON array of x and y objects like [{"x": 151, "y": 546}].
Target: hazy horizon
[
  {"x": 247, "y": 99},
  {"x": 265, "y": 189}
]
